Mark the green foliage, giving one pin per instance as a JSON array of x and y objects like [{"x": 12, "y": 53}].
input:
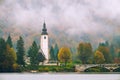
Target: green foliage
[
  {"x": 56, "y": 50},
  {"x": 85, "y": 52},
  {"x": 9, "y": 41},
  {"x": 77, "y": 61},
  {"x": 20, "y": 51},
  {"x": 7, "y": 57},
  {"x": 112, "y": 51},
  {"x": 56, "y": 69},
  {"x": 97, "y": 69},
  {"x": 119, "y": 55},
  {"x": 33, "y": 54},
  {"x": 52, "y": 55},
  {"x": 41, "y": 57},
  {"x": 64, "y": 55}
]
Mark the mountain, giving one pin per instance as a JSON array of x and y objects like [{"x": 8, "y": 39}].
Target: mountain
[{"x": 56, "y": 36}]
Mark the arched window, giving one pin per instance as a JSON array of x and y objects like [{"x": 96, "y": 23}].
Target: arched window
[{"x": 44, "y": 37}]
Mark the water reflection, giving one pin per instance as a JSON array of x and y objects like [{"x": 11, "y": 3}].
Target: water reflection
[{"x": 58, "y": 76}]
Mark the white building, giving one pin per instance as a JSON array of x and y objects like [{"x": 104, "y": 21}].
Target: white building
[{"x": 44, "y": 43}]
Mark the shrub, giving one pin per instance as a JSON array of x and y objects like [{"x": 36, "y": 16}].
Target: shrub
[{"x": 56, "y": 69}]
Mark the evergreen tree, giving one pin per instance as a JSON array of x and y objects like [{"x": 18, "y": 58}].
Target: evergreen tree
[
  {"x": 20, "y": 51},
  {"x": 9, "y": 41},
  {"x": 56, "y": 50},
  {"x": 2, "y": 53},
  {"x": 41, "y": 57},
  {"x": 33, "y": 54},
  {"x": 112, "y": 52},
  {"x": 52, "y": 56}
]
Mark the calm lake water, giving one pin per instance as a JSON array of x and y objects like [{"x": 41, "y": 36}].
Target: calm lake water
[{"x": 58, "y": 76}]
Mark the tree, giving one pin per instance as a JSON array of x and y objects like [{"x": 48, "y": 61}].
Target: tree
[
  {"x": 56, "y": 50},
  {"x": 10, "y": 58},
  {"x": 41, "y": 57},
  {"x": 52, "y": 56},
  {"x": 64, "y": 55},
  {"x": 20, "y": 51},
  {"x": 85, "y": 53},
  {"x": 99, "y": 57},
  {"x": 2, "y": 54},
  {"x": 7, "y": 57},
  {"x": 33, "y": 53},
  {"x": 106, "y": 52},
  {"x": 119, "y": 56},
  {"x": 9, "y": 41},
  {"x": 112, "y": 51}
]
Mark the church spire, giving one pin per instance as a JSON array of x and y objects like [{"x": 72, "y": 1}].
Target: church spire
[{"x": 44, "y": 30}]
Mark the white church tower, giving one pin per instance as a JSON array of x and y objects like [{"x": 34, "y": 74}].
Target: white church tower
[{"x": 44, "y": 42}]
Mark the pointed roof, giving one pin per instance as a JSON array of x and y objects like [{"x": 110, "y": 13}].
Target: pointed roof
[{"x": 44, "y": 30}]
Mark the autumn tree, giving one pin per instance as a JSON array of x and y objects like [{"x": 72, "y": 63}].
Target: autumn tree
[
  {"x": 64, "y": 55},
  {"x": 7, "y": 57},
  {"x": 20, "y": 51},
  {"x": 9, "y": 41},
  {"x": 85, "y": 53},
  {"x": 33, "y": 54},
  {"x": 99, "y": 57},
  {"x": 11, "y": 57},
  {"x": 106, "y": 52}
]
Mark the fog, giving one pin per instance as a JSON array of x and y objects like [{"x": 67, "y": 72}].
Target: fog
[{"x": 70, "y": 16}]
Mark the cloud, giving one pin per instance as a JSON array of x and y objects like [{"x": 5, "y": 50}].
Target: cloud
[{"x": 72, "y": 17}]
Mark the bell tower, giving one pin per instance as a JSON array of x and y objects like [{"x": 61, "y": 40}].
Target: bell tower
[{"x": 44, "y": 42}]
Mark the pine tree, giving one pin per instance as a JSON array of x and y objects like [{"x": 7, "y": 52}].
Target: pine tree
[
  {"x": 52, "y": 56},
  {"x": 33, "y": 53},
  {"x": 9, "y": 41},
  {"x": 20, "y": 51},
  {"x": 41, "y": 57},
  {"x": 56, "y": 50}
]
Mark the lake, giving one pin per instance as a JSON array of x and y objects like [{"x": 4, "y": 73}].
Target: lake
[{"x": 58, "y": 76}]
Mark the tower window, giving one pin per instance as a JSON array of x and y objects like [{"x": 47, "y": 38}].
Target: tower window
[{"x": 44, "y": 37}]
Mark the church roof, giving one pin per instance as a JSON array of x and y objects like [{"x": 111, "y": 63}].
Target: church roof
[{"x": 44, "y": 30}]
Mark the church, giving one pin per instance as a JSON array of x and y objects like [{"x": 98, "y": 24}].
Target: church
[{"x": 44, "y": 43}]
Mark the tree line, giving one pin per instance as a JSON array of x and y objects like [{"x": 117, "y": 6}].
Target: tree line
[{"x": 12, "y": 58}]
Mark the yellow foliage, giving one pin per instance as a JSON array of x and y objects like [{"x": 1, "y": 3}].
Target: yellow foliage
[
  {"x": 12, "y": 53},
  {"x": 99, "y": 57},
  {"x": 64, "y": 55}
]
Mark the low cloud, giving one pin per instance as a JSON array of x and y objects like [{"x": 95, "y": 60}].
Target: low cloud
[{"x": 72, "y": 17}]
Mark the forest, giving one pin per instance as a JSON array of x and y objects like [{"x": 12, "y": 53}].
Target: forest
[{"x": 14, "y": 58}]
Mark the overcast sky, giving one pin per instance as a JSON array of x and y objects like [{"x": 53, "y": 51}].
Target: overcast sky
[{"x": 71, "y": 16}]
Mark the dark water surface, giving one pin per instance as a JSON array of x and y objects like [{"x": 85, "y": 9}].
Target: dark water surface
[{"x": 58, "y": 76}]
